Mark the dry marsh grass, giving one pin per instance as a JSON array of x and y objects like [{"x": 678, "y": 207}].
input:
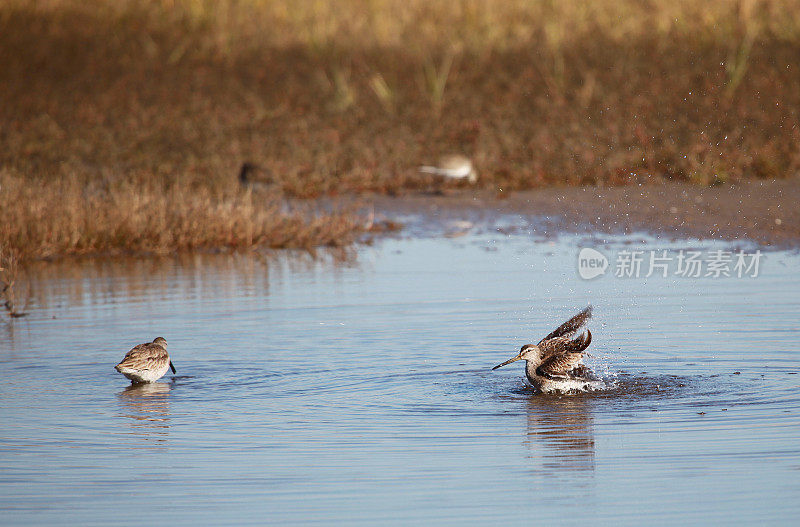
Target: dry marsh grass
[
  {"x": 9, "y": 276},
  {"x": 123, "y": 124},
  {"x": 70, "y": 217}
]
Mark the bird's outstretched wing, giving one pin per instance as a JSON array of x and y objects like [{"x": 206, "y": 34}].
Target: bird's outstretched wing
[
  {"x": 564, "y": 366},
  {"x": 560, "y": 345},
  {"x": 571, "y": 326}
]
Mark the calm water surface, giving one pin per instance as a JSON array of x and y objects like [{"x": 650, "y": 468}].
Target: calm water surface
[{"x": 360, "y": 392}]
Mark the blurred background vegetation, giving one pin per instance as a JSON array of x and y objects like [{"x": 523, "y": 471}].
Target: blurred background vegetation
[{"x": 123, "y": 124}]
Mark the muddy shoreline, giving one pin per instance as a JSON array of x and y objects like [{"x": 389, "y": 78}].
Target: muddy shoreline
[{"x": 764, "y": 212}]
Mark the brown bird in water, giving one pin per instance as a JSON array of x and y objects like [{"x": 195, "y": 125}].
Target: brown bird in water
[
  {"x": 146, "y": 362},
  {"x": 556, "y": 362}
]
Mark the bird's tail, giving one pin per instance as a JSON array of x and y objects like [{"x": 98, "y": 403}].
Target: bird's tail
[{"x": 426, "y": 169}]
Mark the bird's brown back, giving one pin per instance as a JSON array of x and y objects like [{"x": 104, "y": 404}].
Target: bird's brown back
[{"x": 145, "y": 356}]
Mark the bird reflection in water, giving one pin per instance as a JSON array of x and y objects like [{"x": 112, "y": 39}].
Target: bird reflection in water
[
  {"x": 147, "y": 407},
  {"x": 560, "y": 433}
]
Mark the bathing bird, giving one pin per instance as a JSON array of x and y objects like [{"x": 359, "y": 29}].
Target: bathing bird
[
  {"x": 556, "y": 362},
  {"x": 146, "y": 362}
]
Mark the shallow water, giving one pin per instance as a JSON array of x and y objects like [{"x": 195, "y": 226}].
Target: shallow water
[{"x": 321, "y": 391}]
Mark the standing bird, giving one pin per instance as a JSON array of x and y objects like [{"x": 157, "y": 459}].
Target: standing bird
[
  {"x": 452, "y": 167},
  {"x": 146, "y": 362},
  {"x": 556, "y": 362}
]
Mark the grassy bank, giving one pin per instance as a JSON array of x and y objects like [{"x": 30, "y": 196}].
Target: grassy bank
[
  {"x": 123, "y": 124},
  {"x": 70, "y": 217}
]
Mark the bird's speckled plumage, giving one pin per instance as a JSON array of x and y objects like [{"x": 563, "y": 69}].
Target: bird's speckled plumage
[
  {"x": 146, "y": 362},
  {"x": 556, "y": 362}
]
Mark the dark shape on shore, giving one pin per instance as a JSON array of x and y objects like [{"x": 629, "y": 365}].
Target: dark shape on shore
[
  {"x": 255, "y": 177},
  {"x": 8, "y": 293}
]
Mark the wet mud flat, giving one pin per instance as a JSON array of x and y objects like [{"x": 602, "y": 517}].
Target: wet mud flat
[{"x": 764, "y": 212}]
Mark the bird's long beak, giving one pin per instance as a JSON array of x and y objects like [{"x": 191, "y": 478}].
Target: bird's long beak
[{"x": 509, "y": 361}]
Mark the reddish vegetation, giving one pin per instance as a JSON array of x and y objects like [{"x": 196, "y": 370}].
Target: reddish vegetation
[{"x": 123, "y": 126}]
